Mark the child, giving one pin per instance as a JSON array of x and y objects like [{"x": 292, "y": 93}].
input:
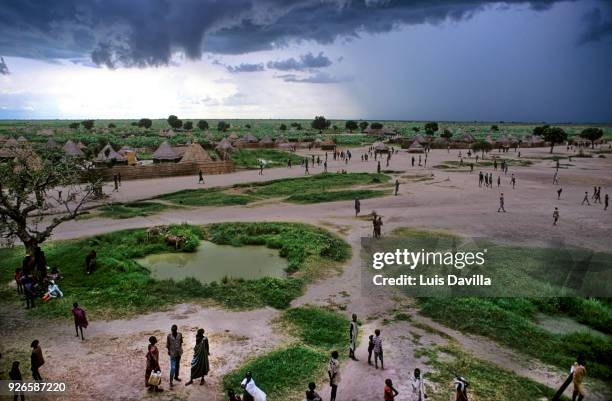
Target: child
[
  {"x": 370, "y": 348},
  {"x": 18, "y": 276},
  {"x": 418, "y": 386},
  {"x": 390, "y": 392},
  {"x": 311, "y": 394}
]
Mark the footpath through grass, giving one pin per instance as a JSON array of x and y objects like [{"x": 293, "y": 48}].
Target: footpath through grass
[
  {"x": 252, "y": 158},
  {"x": 288, "y": 370},
  {"x": 325, "y": 187},
  {"x": 120, "y": 286},
  {"x": 512, "y": 321}
]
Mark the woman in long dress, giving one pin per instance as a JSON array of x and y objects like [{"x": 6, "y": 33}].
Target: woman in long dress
[
  {"x": 251, "y": 391},
  {"x": 199, "y": 364},
  {"x": 152, "y": 363}
]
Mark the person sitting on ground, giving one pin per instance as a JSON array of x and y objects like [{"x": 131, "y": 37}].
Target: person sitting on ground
[
  {"x": 90, "y": 262},
  {"x": 53, "y": 291},
  {"x": 231, "y": 394}
]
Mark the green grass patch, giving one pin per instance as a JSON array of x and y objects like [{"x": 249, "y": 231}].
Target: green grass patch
[
  {"x": 318, "y": 327},
  {"x": 206, "y": 197},
  {"x": 488, "y": 382},
  {"x": 333, "y": 196},
  {"x": 120, "y": 286},
  {"x": 129, "y": 210},
  {"x": 281, "y": 371},
  {"x": 251, "y": 158},
  {"x": 312, "y": 189}
]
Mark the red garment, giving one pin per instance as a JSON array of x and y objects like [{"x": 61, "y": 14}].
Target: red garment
[
  {"x": 389, "y": 395},
  {"x": 80, "y": 318},
  {"x": 152, "y": 362}
]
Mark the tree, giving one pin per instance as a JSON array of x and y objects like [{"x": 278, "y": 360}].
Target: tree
[
  {"x": 223, "y": 126},
  {"x": 494, "y": 128},
  {"x": 416, "y": 129},
  {"x": 591, "y": 134},
  {"x": 188, "y": 125},
  {"x": 27, "y": 188},
  {"x": 539, "y": 131},
  {"x": 248, "y": 126},
  {"x": 482, "y": 146},
  {"x": 203, "y": 125},
  {"x": 320, "y": 123},
  {"x": 297, "y": 126},
  {"x": 363, "y": 125},
  {"x": 554, "y": 135},
  {"x": 376, "y": 125},
  {"x": 446, "y": 134},
  {"x": 73, "y": 125},
  {"x": 145, "y": 123},
  {"x": 335, "y": 127},
  {"x": 351, "y": 125},
  {"x": 87, "y": 124},
  {"x": 431, "y": 128},
  {"x": 175, "y": 122},
  {"x": 283, "y": 127},
  {"x": 111, "y": 125}
]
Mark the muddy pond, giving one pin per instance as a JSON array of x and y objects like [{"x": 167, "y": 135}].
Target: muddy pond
[{"x": 212, "y": 262}]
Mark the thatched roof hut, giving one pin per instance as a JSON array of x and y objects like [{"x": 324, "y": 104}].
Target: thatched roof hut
[
  {"x": 51, "y": 144},
  {"x": 328, "y": 144},
  {"x": 108, "y": 154},
  {"x": 224, "y": 146},
  {"x": 167, "y": 133},
  {"x": 21, "y": 140},
  {"x": 250, "y": 138},
  {"x": 195, "y": 154},
  {"x": 416, "y": 147},
  {"x": 281, "y": 139},
  {"x": 11, "y": 143},
  {"x": 81, "y": 145},
  {"x": 419, "y": 139},
  {"x": 380, "y": 147},
  {"x": 467, "y": 138},
  {"x": 71, "y": 149},
  {"x": 232, "y": 137},
  {"x": 503, "y": 140},
  {"x": 165, "y": 153},
  {"x": 535, "y": 140},
  {"x": 266, "y": 140}
]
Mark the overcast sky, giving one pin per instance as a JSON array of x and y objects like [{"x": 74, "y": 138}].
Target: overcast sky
[{"x": 463, "y": 60}]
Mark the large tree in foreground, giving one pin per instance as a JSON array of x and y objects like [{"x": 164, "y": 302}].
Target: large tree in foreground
[
  {"x": 31, "y": 205},
  {"x": 554, "y": 135}
]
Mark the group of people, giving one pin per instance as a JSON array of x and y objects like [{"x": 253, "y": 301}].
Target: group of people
[{"x": 34, "y": 277}]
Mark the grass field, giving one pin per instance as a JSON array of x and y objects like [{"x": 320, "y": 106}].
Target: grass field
[
  {"x": 120, "y": 286},
  {"x": 252, "y": 158},
  {"x": 512, "y": 321},
  {"x": 311, "y": 189},
  {"x": 289, "y": 369},
  {"x": 132, "y": 209}
]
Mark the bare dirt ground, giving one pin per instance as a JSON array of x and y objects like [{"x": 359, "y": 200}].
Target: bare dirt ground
[{"x": 110, "y": 363}]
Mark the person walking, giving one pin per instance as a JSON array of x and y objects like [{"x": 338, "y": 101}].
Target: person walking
[
  {"x": 513, "y": 181},
  {"x": 174, "y": 345},
  {"x": 606, "y": 200},
  {"x": 353, "y": 335},
  {"x": 199, "y": 364},
  {"x": 325, "y": 166},
  {"x": 586, "y": 199},
  {"x": 501, "y": 203},
  {"x": 378, "y": 350},
  {"x": 333, "y": 371},
  {"x": 559, "y": 193},
  {"x": 578, "y": 374},
  {"x": 555, "y": 216},
  {"x": 80, "y": 319},
  {"x": 116, "y": 183},
  {"x": 261, "y": 167},
  {"x": 200, "y": 177},
  {"x": 152, "y": 364},
  {"x": 357, "y": 207},
  {"x": 378, "y": 167},
  {"x": 36, "y": 360},
  {"x": 15, "y": 376},
  {"x": 397, "y": 184}
]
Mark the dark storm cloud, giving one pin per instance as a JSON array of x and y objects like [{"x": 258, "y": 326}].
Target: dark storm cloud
[
  {"x": 306, "y": 62},
  {"x": 597, "y": 27},
  {"x": 147, "y": 32},
  {"x": 3, "y": 67},
  {"x": 245, "y": 67}
]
